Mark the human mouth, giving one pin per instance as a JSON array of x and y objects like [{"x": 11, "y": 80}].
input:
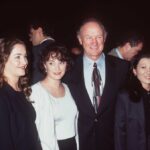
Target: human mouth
[{"x": 57, "y": 73}]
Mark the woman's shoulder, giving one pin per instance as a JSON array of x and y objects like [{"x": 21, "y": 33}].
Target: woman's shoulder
[
  {"x": 36, "y": 85},
  {"x": 66, "y": 87},
  {"x": 37, "y": 88},
  {"x": 5, "y": 90},
  {"x": 123, "y": 95},
  {"x": 38, "y": 93}
]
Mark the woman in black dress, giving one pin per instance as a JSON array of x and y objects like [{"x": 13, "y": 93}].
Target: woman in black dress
[
  {"x": 132, "y": 119},
  {"x": 17, "y": 116}
]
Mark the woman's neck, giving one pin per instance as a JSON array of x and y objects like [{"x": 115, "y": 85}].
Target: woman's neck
[
  {"x": 147, "y": 87},
  {"x": 55, "y": 87},
  {"x": 13, "y": 84},
  {"x": 55, "y": 84}
]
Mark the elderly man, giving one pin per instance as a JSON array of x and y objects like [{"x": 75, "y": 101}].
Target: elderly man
[{"x": 95, "y": 103}]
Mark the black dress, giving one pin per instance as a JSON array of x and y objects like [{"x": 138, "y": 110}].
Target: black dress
[{"x": 17, "y": 121}]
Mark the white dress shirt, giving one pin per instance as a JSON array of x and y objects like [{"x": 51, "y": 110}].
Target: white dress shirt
[
  {"x": 118, "y": 53},
  {"x": 88, "y": 70}
]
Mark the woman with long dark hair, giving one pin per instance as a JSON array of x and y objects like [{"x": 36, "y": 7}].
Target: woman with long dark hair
[{"x": 17, "y": 116}]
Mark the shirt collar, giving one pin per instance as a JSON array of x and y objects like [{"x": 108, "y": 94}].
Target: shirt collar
[
  {"x": 118, "y": 52},
  {"x": 47, "y": 38},
  {"x": 88, "y": 62}
]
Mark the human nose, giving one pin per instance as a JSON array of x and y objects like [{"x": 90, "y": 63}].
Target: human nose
[
  {"x": 57, "y": 67},
  {"x": 24, "y": 61},
  {"x": 148, "y": 70},
  {"x": 94, "y": 40}
]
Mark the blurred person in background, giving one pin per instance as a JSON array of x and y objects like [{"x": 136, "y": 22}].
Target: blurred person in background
[{"x": 40, "y": 37}]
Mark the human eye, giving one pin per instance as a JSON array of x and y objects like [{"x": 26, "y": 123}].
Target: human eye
[
  {"x": 17, "y": 57},
  {"x": 50, "y": 63},
  {"x": 25, "y": 56},
  {"x": 88, "y": 37},
  {"x": 62, "y": 62},
  {"x": 142, "y": 66},
  {"x": 99, "y": 37}
]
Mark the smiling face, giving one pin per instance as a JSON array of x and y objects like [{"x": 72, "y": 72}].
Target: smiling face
[
  {"x": 142, "y": 71},
  {"x": 17, "y": 62},
  {"x": 55, "y": 68},
  {"x": 91, "y": 37}
]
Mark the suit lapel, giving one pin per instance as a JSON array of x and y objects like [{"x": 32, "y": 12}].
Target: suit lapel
[
  {"x": 110, "y": 83},
  {"x": 81, "y": 92}
]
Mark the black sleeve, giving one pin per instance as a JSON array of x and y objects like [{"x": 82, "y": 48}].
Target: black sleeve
[
  {"x": 5, "y": 131},
  {"x": 120, "y": 123}
]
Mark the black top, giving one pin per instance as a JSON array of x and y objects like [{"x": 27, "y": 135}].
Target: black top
[{"x": 17, "y": 121}]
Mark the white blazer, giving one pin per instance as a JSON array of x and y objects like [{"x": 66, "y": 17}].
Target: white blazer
[{"x": 45, "y": 118}]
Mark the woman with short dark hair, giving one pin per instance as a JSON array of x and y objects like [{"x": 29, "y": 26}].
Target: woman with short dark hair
[
  {"x": 55, "y": 108},
  {"x": 132, "y": 119}
]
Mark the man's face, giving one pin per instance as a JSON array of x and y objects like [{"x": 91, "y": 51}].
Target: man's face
[
  {"x": 133, "y": 51},
  {"x": 34, "y": 36},
  {"x": 91, "y": 37}
]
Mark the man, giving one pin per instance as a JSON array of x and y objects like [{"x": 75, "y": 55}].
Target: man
[
  {"x": 95, "y": 128},
  {"x": 130, "y": 45},
  {"x": 40, "y": 39}
]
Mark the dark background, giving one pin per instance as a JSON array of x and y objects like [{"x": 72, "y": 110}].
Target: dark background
[{"x": 65, "y": 16}]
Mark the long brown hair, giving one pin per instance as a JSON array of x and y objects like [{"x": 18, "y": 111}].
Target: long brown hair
[{"x": 6, "y": 47}]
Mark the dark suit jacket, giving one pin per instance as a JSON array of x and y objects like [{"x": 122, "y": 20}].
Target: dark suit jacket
[
  {"x": 96, "y": 131},
  {"x": 36, "y": 74},
  {"x": 17, "y": 121},
  {"x": 129, "y": 123}
]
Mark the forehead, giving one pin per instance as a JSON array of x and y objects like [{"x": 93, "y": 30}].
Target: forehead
[
  {"x": 32, "y": 30},
  {"x": 144, "y": 61},
  {"x": 140, "y": 45},
  {"x": 91, "y": 27},
  {"x": 18, "y": 49}
]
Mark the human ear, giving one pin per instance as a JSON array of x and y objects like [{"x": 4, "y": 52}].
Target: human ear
[
  {"x": 79, "y": 39},
  {"x": 134, "y": 72}
]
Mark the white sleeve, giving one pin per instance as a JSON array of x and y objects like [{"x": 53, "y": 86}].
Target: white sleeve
[
  {"x": 44, "y": 119},
  {"x": 77, "y": 135}
]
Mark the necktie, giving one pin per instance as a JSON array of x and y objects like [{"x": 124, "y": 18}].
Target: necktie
[{"x": 96, "y": 80}]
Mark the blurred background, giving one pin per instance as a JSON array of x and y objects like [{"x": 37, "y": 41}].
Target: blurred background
[{"x": 63, "y": 17}]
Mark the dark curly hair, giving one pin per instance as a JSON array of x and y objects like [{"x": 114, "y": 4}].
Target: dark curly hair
[
  {"x": 6, "y": 47},
  {"x": 56, "y": 51}
]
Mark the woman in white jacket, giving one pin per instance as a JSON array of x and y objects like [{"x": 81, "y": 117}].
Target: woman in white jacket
[{"x": 56, "y": 111}]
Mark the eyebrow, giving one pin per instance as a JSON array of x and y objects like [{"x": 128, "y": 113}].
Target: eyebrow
[{"x": 20, "y": 54}]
